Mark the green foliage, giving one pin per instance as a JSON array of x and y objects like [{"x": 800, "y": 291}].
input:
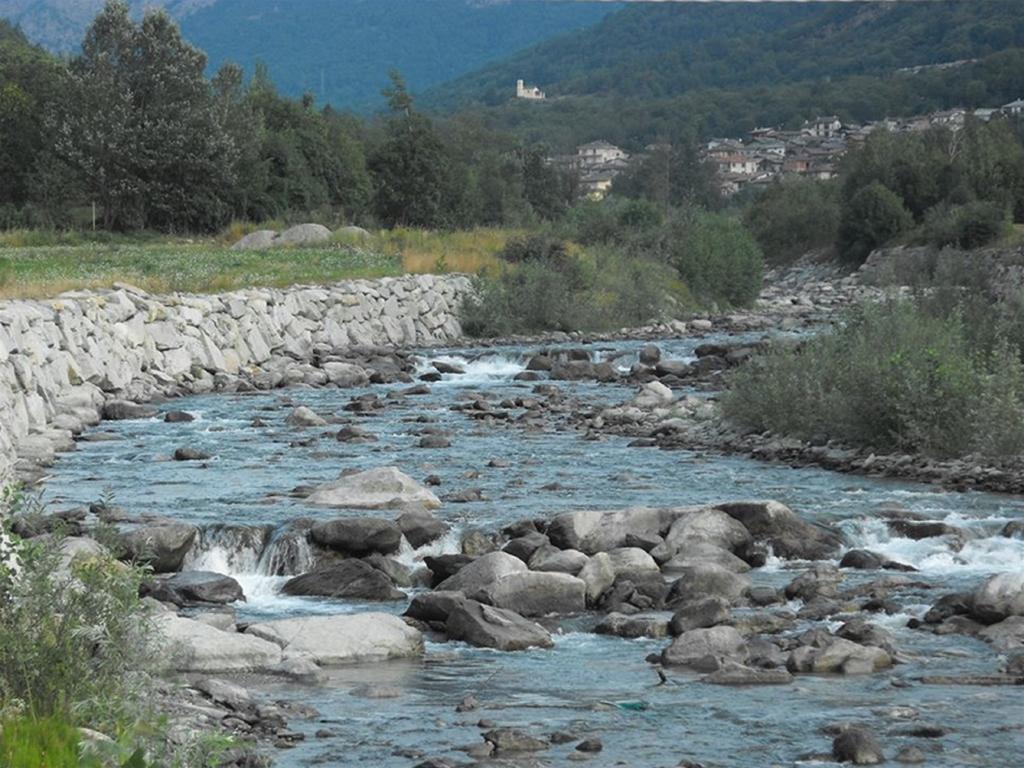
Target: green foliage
[
  {"x": 971, "y": 225},
  {"x": 44, "y": 743},
  {"x": 895, "y": 377},
  {"x": 873, "y": 216},
  {"x": 653, "y": 51},
  {"x": 72, "y": 649},
  {"x": 717, "y": 258},
  {"x": 546, "y": 288},
  {"x": 794, "y": 216}
]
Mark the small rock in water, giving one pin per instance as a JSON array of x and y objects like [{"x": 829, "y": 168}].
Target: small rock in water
[
  {"x": 590, "y": 745},
  {"x": 910, "y": 756},
  {"x": 178, "y": 417},
  {"x": 190, "y": 454},
  {"x": 305, "y": 417},
  {"x": 857, "y": 746},
  {"x": 562, "y": 737},
  {"x": 468, "y": 704}
]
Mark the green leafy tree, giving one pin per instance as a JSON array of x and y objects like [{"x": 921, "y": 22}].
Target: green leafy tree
[
  {"x": 139, "y": 124},
  {"x": 873, "y": 217},
  {"x": 410, "y": 168},
  {"x": 794, "y": 216}
]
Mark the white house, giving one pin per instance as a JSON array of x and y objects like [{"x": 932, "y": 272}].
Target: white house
[
  {"x": 1014, "y": 107},
  {"x": 599, "y": 153},
  {"x": 824, "y": 127},
  {"x": 528, "y": 92}
]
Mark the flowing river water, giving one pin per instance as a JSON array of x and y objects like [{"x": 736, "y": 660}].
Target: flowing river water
[{"x": 588, "y": 684}]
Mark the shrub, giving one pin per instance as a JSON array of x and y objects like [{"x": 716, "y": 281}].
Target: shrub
[
  {"x": 893, "y": 377},
  {"x": 537, "y": 248},
  {"x": 793, "y": 217},
  {"x": 73, "y": 643},
  {"x": 717, "y": 258},
  {"x": 602, "y": 289},
  {"x": 873, "y": 217},
  {"x": 46, "y": 743},
  {"x": 972, "y": 225}
]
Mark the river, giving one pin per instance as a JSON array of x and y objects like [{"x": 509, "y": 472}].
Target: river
[{"x": 588, "y": 684}]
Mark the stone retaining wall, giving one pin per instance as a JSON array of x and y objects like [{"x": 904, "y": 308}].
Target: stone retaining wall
[{"x": 62, "y": 359}]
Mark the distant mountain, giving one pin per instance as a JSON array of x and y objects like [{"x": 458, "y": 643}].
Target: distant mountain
[
  {"x": 660, "y": 50},
  {"x": 338, "y": 50}
]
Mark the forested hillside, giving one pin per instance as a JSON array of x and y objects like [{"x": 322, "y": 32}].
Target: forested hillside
[
  {"x": 340, "y": 51},
  {"x": 658, "y": 50}
]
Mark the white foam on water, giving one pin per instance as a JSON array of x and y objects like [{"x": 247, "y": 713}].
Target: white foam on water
[
  {"x": 940, "y": 555},
  {"x": 449, "y": 544},
  {"x": 478, "y": 371}
]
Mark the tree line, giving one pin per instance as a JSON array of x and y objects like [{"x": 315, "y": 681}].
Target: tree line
[{"x": 132, "y": 126}]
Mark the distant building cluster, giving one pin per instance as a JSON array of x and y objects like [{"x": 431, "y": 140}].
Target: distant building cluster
[
  {"x": 815, "y": 150},
  {"x": 766, "y": 154},
  {"x": 596, "y": 165}
]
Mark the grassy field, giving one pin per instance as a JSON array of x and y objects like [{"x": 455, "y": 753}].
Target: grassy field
[{"x": 42, "y": 264}]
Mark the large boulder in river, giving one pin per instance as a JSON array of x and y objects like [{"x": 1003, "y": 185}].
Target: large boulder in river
[
  {"x": 357, "y": 535},
  {"x": 162, "y": 546},
  {"x": 304, "y": 234},
  {"x": 352, "y": 579},
  {"x": 593, "y": 531},
  {"x": 125, "y": 410},
  {"x": 999, "y": 597},
  {"x": 380, "y": 488},
  {"x": 533, "y": 593},
  {"x": 490, "y": 627},
  {"x": 706, "y": 580},
  {"x": 190, "y": 587},
  {"x": 706, "y": 649},
  {"x": 342, "y": 639},
  {"x": 305, "y": 417},
  {"x": 199, "y": 647},
  {"x": 706, "y": 526},
  {"x": 483, "y": 572},
  {"x": 346, "y": 374},
  {"x": 777, "y": 526},
  {"x": 420, "y": 527}
]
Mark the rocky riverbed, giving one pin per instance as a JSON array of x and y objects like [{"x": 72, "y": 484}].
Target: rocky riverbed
[{"x": 432, "y": 564}]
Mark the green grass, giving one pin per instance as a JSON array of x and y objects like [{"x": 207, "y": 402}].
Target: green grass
[
  {"x": 39, "y": 264},
  {"x": 163, "y": 267}
]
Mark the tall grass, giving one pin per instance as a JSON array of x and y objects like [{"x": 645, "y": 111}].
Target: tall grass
[{"x": 895, "y": 377}]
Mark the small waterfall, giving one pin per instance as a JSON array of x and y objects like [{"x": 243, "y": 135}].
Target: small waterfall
[
  {"x": 288, "y": 553},
  {"x": 228, "y": 549},
  {"x": 449, "y": 544}
]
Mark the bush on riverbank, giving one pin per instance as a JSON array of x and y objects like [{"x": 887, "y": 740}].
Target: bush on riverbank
[
  {"x": 546, "y": 286},
  {"x": 78, "y": 649},
  {"x": 896, "y": 377}
]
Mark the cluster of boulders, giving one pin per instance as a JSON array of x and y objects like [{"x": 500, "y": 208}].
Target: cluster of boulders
[
  {"x": 299, "y": 235},
  {"x": 67, "y": 362}
]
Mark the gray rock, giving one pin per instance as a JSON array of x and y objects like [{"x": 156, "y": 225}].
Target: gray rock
[
  {"x": 190, "y": 454},
  {"x": 732, "y": 673},
  {"x": 702, "y": 581},
  {"x": 553, "y": 560},
  {"x": 434, "y": 607},
  {"x": 773, "y": 524},
  {"x": 198, "y": 647},
  {"x": 381, "y": 488},
  {"x": 999, "y": 597},
  {"x": 483, "y": 572},
  {"x": 700, "y": 614},
  {"x": 649, "y": 354},
  {"x": 162, "y": 546},
  {"x": 420, "y": 527},
  {"x": 305, "y": 417},
  {"x": 342, "y": 639},
  {"x": 352, "y": 579},
  {"x": 706, "y": 649},
  {"x": 190, "y": 587},
  {"x": 822, "y": 580},
  {"x": 358, "y": 536},
  {"x": 303, "y": 234},
  {"x": 631, "y": 626},
  {"x": 1005, "y": 636},
  {"x": 531, "y": 593},
  {"x": 123, "y": 410},
  {"x": 259, "y": 240},
  {"x": 490, "y": 627},
  {"x": 512, "y": 740},
  {"x": 857, "y": 746}
]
